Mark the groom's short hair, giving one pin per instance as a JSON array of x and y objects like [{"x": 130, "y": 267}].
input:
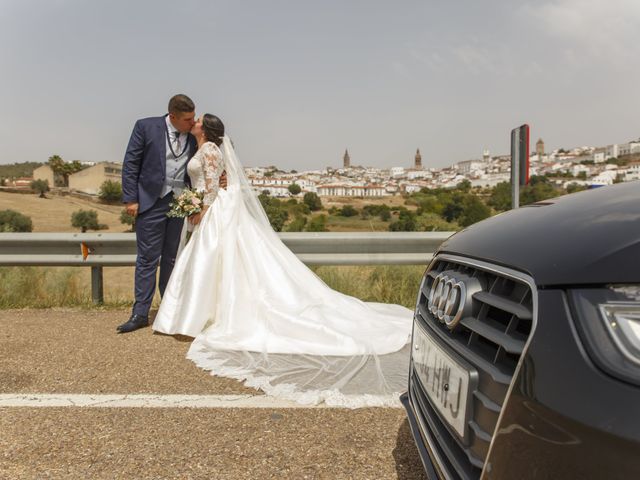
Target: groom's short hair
[{"x": 181, "y": 104}]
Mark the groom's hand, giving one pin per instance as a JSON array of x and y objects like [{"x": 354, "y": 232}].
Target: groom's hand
[
  {"x": 223, "y": 180},
  {"x": 132, "y": 209}
]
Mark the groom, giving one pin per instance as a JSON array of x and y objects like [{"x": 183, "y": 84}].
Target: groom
[{"x": 153, "y": 172}]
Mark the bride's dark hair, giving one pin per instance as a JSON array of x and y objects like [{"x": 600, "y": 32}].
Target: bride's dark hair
[{"x": 213, "y": 128}]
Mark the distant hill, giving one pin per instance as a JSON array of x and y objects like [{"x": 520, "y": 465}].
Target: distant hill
[{"x": 15, "y": 170}]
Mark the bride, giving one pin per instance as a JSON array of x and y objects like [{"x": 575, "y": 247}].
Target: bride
[{"x": 258, "y": 314}]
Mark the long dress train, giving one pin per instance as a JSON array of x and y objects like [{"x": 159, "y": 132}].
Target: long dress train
[{"x": 258, "y": 314}]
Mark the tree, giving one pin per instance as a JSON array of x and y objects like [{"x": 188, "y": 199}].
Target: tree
[
  {"x": 12, "y": 221},
  {"x": 57, "y": 165},
  {"x": 318, "y": 223},
  {"x": 474, "y": 211},
  {"x": 127, "y": 219},
  {"x": 110, "y": 191},
  {"x": 454, "y": 207},
  {"x": 537, "y": 191},
  {"x": 464, "y": 186},
  {"x": 86, "y": 220},
  {"x": 62, "y": 170},
  {"x": 313, "y": 201},
  {"x": 41, "y": 187},
  {"x": 275, "y": 211},
  {"x": 294, "y": 189},
  {"x": 500, "y": 198}
]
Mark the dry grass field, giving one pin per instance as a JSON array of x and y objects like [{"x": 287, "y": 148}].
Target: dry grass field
[
  {"x": 359, "y": 202},
  {"x": 53, "y": 214},
  {"x": 60, "y": 285}
]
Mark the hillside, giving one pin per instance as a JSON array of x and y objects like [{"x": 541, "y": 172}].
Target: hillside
[
  {"x": 16, "y": 170},
  {"x": 53, "y": 214}
]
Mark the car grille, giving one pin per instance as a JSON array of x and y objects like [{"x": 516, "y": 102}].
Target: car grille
[{"x": 491, "y": 340}]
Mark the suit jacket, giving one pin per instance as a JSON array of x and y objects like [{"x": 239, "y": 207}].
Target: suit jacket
[{"x": 144, "y": 166}]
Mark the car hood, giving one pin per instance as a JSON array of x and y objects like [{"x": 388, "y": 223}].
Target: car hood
[{"x": 590, "y": 237}]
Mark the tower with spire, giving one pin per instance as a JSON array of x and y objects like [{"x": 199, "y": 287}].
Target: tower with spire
[
  {"x": 418, "y": 162},
  {"x": 540, "y": 148},
  {"x": 346, "y": 159}
]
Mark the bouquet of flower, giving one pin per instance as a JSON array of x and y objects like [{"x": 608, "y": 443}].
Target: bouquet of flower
[{"x": 188, "y": 203}]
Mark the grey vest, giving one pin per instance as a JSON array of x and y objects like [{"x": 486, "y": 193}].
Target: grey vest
[{"x": 176, "y": 170}]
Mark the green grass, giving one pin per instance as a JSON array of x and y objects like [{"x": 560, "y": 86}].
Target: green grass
[
  {"x": 40, "y": 287},
  {"x": 377, "y": 283}
]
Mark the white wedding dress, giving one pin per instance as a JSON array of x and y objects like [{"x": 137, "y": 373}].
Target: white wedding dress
[{"x": 258, "y": 314}]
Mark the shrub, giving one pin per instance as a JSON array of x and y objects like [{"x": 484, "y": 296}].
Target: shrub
[
  {"x": 317, "y": 223},
  {"x": 432, "y": 222},
  {"x": 348, "y": 211},
  {"x": 575, "y": 187},
  {"x": 110, "y": 191},
  {"x": 383, "y": 211},
  {"x": 406, "y": 222},
  {"x": 12, "y": 221},
  {"x": 297, "y": 225},
  {"x": 127, "y": 219},
  {"x": 86, "y": 220}
]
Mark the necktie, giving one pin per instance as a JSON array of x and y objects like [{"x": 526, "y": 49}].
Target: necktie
[{"x": 177, "y": 140}]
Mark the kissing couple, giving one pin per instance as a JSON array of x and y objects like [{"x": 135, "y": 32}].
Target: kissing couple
[{"x": 255, "y": 311}]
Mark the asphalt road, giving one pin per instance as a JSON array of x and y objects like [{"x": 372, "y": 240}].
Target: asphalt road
[{"x": 78, "y": 352}]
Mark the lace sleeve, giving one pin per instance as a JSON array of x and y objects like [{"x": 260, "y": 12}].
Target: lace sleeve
[{"x": 212, "y": 166}]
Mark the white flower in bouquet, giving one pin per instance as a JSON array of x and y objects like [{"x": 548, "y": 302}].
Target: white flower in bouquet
[{"x": 188, "y": 203}]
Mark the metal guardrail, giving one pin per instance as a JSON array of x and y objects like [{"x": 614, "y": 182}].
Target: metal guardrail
[{"x": 98, "y": 250}]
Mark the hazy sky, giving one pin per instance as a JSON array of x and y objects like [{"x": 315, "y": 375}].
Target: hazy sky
[{"x": 296, "y": 82}]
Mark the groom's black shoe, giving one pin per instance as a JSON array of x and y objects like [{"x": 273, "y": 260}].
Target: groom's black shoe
[{"x": 134, "y": 323}]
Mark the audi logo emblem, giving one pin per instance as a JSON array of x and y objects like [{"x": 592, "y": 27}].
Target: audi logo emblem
[{"x": 450, "y": 297}]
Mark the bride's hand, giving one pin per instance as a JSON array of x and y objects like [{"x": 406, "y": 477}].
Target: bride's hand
[{"x": 196, "y": 218}]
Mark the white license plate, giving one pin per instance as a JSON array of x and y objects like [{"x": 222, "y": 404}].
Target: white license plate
[{"x": 446, "y": 381}]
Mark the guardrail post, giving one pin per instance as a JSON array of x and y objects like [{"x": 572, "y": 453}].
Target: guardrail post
[{"x": 97, "y": 284}]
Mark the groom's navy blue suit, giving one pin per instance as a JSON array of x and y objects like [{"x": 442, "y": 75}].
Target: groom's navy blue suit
[{"x": 143, "y": 181}]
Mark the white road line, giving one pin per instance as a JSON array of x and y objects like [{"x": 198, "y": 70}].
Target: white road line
[{"x": 150, "y": 401}]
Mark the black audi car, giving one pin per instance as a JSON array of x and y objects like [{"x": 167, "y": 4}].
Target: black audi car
[{"x": 526, "y": 344}]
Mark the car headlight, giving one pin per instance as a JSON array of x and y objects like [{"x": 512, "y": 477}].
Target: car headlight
[
  {"x": 623, "y": 321},
  {"x": 608, "y": 320}
]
